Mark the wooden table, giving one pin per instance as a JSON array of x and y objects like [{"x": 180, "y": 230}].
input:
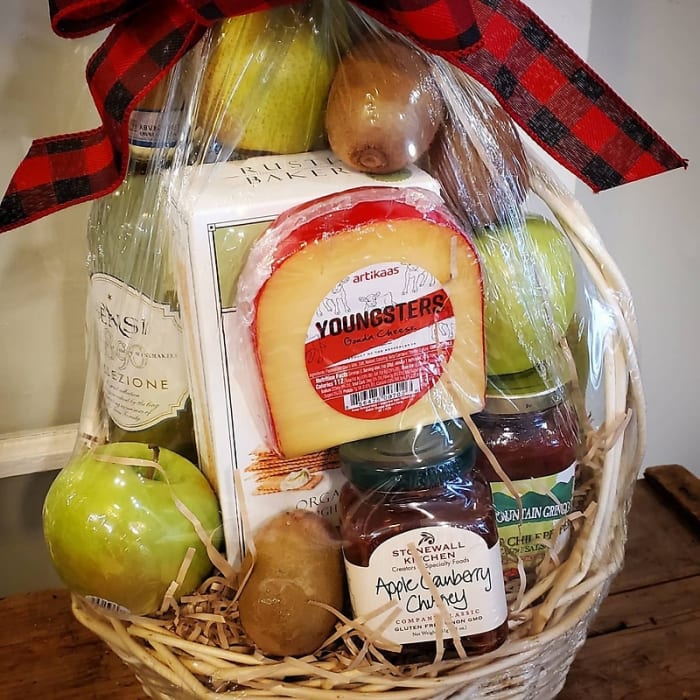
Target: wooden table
[{"x": 644, "y": 644}]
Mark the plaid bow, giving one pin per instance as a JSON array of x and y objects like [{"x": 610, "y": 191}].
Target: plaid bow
[{"x": 545, "y": 87}]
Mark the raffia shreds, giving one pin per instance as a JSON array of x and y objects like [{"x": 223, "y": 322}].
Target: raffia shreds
[
  {"x": 522, "y": 584},
  {"x": 354, "y": 656},
  {"x": 359, "y": 624},
  {"x": 351, "y": 658},
  {"x": 439, "y": 602},
  {"x": 599, "y": 442},
  {"x": 169, "y": 597}
]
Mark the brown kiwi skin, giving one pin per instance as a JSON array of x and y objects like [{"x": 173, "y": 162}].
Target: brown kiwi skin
[
  {"x": 298, "y": 562},
  {"x": 483, "y": 195},
  {"x": 384, "y": 108}
]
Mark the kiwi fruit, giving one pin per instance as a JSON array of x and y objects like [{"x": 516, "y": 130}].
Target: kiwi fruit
[
  {"x": 483, "y": 192},
  {"x": 298, "y": 561},
  {"x": 384, "y": 107}
]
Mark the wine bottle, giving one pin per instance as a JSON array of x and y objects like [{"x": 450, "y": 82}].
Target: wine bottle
[{"x": 133, "y": 306}]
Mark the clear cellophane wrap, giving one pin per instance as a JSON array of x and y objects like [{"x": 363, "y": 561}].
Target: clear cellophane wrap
[{"x": 322, "y": 204}]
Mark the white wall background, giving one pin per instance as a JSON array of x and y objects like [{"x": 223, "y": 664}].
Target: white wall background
[
  {"x": 42, "y": 266},
  {"x": 42, "y": 276},
  {"x": 647, "y": 50}
]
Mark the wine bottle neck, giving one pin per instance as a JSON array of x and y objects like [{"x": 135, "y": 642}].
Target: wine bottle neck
[{"x": 153, "y": 137}]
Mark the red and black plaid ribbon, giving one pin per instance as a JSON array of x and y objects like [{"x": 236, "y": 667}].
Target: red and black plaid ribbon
[{"x": 545, "y": 87}]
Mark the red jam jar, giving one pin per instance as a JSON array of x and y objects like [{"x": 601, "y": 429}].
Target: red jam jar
[
  {"x": 532, "y": 430},
  {"x": 415, "y": 495}
]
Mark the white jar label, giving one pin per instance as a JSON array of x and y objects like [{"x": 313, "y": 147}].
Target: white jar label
[
  {"x": 461, "y": 569},
  {"x": 140, "y": 345},
  {"x": 379, "y": 340}
]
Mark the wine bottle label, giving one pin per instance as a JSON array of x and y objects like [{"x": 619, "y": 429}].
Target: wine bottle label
[
  {"x": 140, "y": 343},
  {"x": 456, "y": 565},
  {"x": 527, "y": 534},
  {"x": 150, "y": 128}
]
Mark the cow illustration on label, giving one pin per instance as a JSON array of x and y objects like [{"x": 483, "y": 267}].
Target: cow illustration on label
[
  {"x": 377, "y": 299},
  {"x": 416, "y": 278},
  {"x": 336, "y": 301}
]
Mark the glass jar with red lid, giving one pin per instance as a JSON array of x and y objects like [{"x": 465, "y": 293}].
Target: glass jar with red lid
[{"x": 419, "y": 531}]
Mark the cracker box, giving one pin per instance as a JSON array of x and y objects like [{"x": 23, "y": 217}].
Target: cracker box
[{"x": 216, "y": 229}]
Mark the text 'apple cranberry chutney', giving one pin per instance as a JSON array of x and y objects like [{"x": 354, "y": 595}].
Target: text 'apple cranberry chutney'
[{"x": 420, "y": 541}]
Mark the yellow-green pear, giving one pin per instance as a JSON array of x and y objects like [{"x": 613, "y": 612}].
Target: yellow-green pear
[{"x": 266, "y": 83}]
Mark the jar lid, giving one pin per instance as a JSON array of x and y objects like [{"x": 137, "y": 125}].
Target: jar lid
[
  {"x": 411, "y": 460},
  {"x": 524, "y": 392}
]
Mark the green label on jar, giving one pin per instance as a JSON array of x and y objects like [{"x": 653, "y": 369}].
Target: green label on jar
[{"x": 528, "y": 533}]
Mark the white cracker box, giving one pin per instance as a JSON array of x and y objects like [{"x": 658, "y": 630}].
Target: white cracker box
[{"x": 216, "y": 229}]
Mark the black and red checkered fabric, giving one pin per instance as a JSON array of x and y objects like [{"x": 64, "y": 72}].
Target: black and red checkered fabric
[
  {"x": 565, "y": 106},
  {"x": 545, "y": 87}
]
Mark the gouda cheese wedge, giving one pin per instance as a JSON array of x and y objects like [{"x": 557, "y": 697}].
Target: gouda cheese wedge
[{"x": 365, "y": 316}]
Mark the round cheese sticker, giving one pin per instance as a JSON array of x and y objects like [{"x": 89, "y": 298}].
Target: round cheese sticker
[{"x": 379, "y": 340}]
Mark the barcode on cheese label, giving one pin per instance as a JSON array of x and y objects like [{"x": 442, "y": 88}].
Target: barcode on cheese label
[{"x": 381, "y": 393}]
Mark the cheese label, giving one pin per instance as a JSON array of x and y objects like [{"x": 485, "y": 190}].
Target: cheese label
[
  {"x": 362, "y": 312},
  {"x": 379, "y": 340}
]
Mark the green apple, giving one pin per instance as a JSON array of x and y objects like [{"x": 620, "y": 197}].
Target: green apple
[
  {"x": 114, "y": 530},
  {"x": 529, "y": 291},
  {"x": 266, "y": 83}
]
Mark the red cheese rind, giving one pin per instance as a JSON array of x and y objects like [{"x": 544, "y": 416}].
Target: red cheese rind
[{"x": 353, "y": 216}]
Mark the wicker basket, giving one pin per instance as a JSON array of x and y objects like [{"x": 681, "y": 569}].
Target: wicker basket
[{"x": 548, "y": 624}]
